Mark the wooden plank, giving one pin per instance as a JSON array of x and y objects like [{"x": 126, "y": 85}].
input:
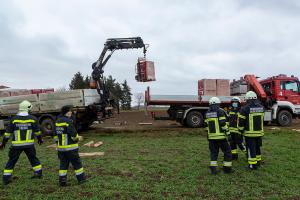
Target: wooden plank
[
  {"x": 91, "y": 154},
  {"x": 52, "y": 146},
  {"x": 89, "y": 144},
  {"x": 144, "y": 123},
  {"x": 98, "y": 144}
]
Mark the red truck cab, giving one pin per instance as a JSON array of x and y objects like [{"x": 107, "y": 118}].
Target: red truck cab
[{"x": 282, "y": 88}]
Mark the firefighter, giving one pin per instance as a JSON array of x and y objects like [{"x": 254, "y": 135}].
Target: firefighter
[
  {"x": 216, "y": 125},
  {"x": 22, "y": 129},
  {"x": 251, "y": 124},
  {"x": 67, "y": 139},
  {"x": 236, "y": 139}
]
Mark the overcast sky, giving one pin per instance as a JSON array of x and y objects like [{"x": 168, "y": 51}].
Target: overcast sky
[{"x": 43, "y": 43}]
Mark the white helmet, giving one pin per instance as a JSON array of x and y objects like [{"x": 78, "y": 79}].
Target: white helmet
[
  {"x": 250, "y": 95},
  {"x": 236, "y": 99},
  {"x": 25, "y": 106},
  {"x": 214, "y": 100}
]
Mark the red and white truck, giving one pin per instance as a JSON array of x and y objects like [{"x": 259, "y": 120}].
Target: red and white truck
[{"x": 279, "y": 94}]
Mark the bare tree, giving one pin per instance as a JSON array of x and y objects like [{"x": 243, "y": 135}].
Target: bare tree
[
  {"x": 139, "y": 97},
  {"x": 61, "y": 89}
]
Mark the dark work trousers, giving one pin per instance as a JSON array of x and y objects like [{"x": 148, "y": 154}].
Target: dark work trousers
[
  {"x": 214, "y": 146},
  {"x": 236, "y": 141},
  {"x": 253, "y": 145},
  {"x": 67, "y": 157},
  {"x": 14, "y": 154}
]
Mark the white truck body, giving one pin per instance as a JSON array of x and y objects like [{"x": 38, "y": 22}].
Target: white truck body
[{"x": 48, "y": 103}]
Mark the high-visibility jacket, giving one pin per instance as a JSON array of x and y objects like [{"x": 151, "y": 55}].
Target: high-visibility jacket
[
  {"x": 22, "y": 130},
  {"x": 233, "y": 120},
  {"x": 65, "y": 134},
  {"x": 251, "y": 119},
  {"x": 215, "y": 122}
]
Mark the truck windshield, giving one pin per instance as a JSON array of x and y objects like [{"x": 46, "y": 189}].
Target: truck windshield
[{"x": 293, "y": 86}]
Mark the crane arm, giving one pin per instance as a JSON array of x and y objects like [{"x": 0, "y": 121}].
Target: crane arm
[
  {"x": 110, "y": 46},
  {"x": 254, "y": 83},
  {"x": 113, "y": 44}
]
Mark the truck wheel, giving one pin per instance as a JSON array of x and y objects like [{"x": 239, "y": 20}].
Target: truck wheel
[
  {"x": 194, "y": 119},
  {"x": 83, "y": 126},
  {"x": 284, "y": 118},
  {"x": 47, "y": 126}
]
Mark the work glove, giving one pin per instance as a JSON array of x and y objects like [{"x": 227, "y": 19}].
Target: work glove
[
  {"x": 40, "y": 141},
  {"x": 75, "y": 139}
]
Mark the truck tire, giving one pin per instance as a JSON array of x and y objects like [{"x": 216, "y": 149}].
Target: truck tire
[
  {"x": 47, "y": 126},
  {"x": 194, "y": 119},
  {"x": 284, "y": 118},
  {"x": 83, "y": 126}
]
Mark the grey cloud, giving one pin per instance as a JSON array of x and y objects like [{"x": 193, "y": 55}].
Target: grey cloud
[{"x": 189, "y": 40}]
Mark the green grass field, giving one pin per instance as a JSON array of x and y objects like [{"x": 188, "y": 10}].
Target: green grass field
[{"x": 162, "y": 164}]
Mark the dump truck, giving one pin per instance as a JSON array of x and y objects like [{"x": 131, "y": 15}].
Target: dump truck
[
  {"x": 279, "y": 94},
  {"x": 47, "y": 106}
]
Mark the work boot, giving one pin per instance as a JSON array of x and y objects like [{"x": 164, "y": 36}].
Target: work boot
[
  {"x": 252, "y": 166},
  {"x": 235, "y": 156},
  {"x": 62, "y": 184},
  {"x": 81, "y": 178},
  {"x": 6, "y": 180},
  {"x": 37, "y": 175},
  {"x": 259, "y": 163},
  {"x": 213, "y": 170},
  {"x": 62, "y": 181},
  {"x": 227, "y": 170}
]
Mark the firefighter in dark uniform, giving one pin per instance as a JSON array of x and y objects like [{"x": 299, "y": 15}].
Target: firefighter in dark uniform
[
  {"x": 251, "y": 124},
  {"x": 236, "y": 136},
  {"x": 67, "y": 145},
  {"x": 216, "y": 125},
  {"x": 22, "y": 129}
]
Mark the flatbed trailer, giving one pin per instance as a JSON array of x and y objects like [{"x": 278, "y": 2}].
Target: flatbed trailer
[
  {"x": 280, "y": 96},
  {"x": 185, "y": 109}
]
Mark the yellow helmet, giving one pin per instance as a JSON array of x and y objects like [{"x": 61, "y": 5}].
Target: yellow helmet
[{"x": 25, "y": 106}]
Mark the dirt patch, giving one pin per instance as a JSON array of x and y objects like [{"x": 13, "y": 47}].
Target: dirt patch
[
  {"x": 132, "y": 120},
  {"x": 86, "y": 194}
]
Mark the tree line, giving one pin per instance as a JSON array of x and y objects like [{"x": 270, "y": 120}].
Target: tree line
[{"x": 121, "y": 92}]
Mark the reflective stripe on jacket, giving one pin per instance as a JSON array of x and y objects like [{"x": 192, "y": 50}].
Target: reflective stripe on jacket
[
  {"x": 66, "y": 134},
  {"x": 251, "y": 119},
  {"x": 233, "y": 121},
  {"x": 215, "y": 122},
  {"x": 22, "y": 130}
]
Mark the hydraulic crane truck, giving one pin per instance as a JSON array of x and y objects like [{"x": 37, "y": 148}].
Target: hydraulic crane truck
[
  {"x": 280, "y": 96},
  {"x": 87, "y": 103},
  {"x": 107, "y": 102}
]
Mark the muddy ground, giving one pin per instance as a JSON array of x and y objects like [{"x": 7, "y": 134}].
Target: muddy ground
[{"x": 131, "y": 120}]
